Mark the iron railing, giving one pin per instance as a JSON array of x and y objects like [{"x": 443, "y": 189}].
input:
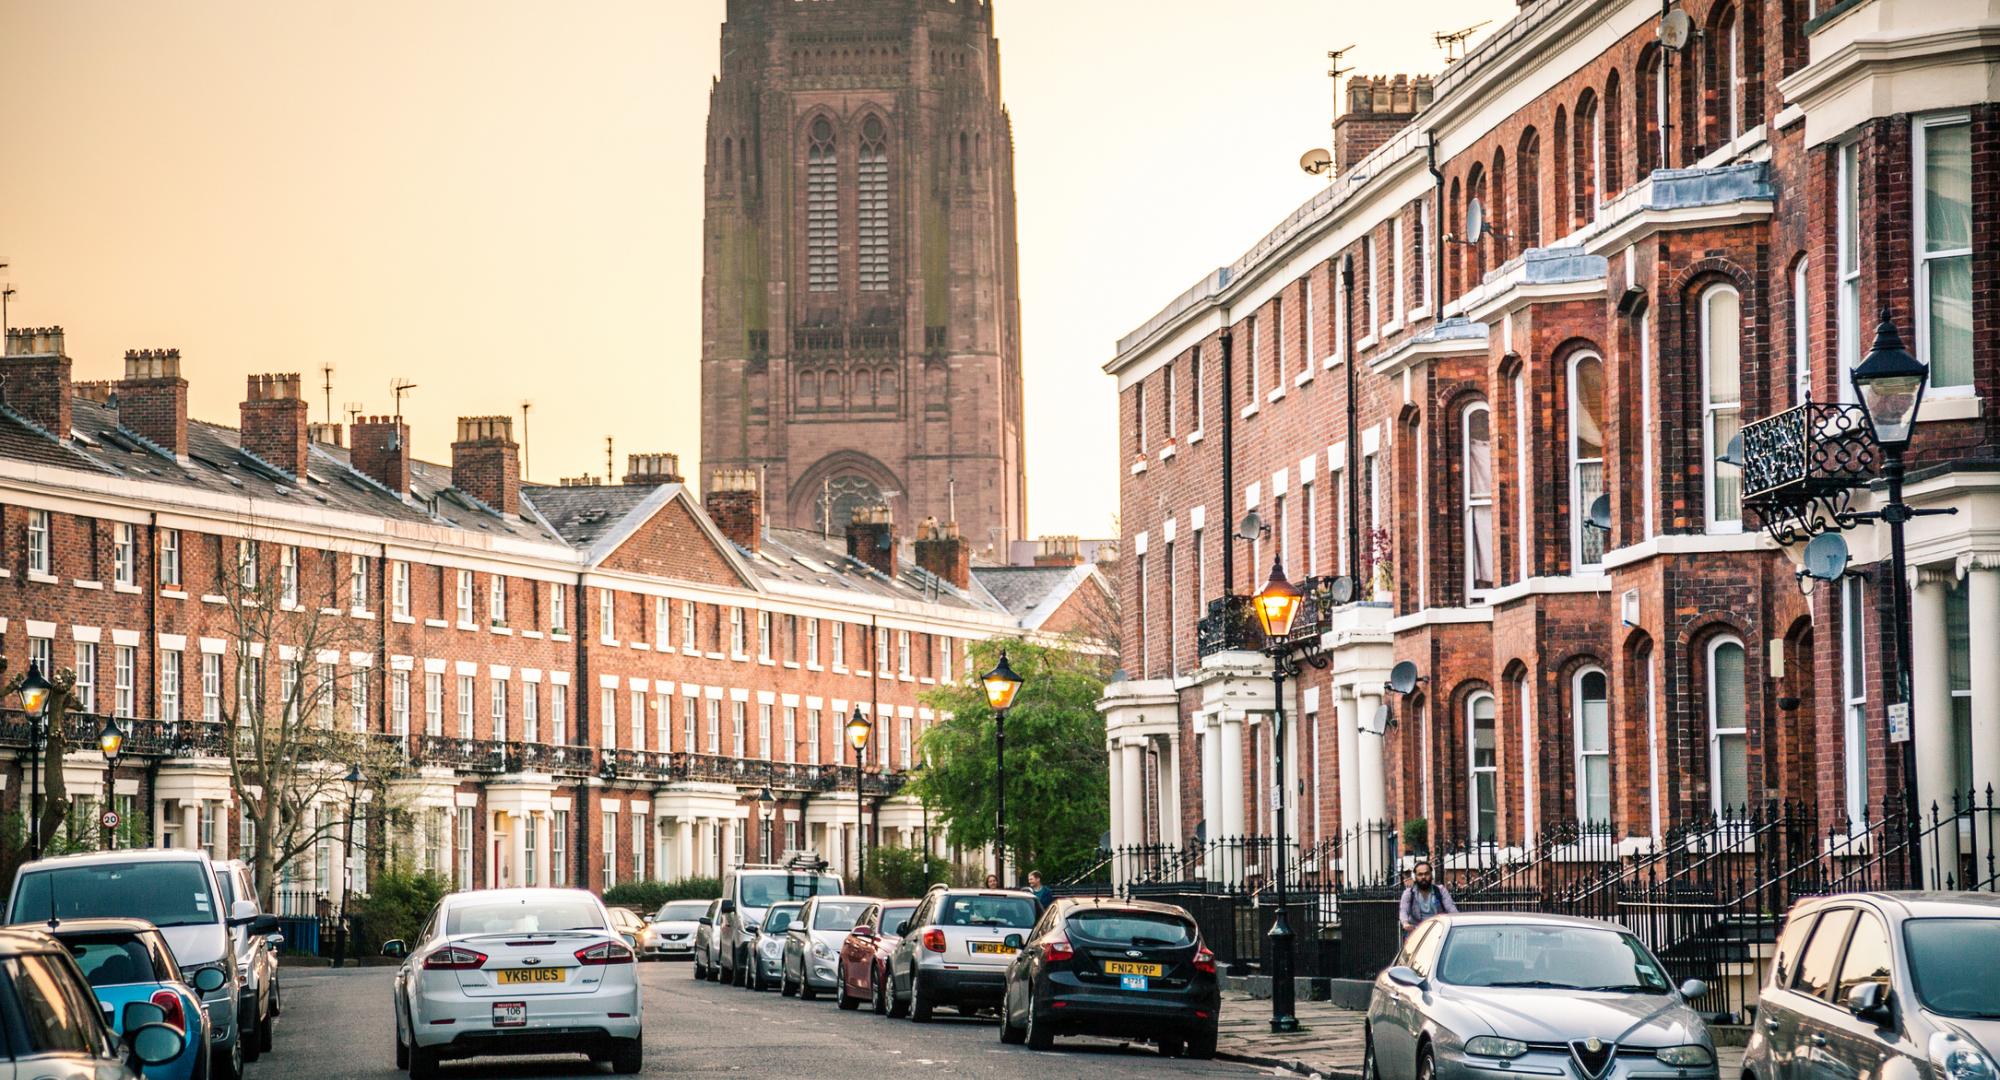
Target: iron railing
[
  {"x": 1231, "y": 622},
  {"x": 1800, "y": 467}
]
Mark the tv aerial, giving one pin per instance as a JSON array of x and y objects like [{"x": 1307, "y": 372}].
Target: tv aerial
[{"x": 1453, "y": 42}]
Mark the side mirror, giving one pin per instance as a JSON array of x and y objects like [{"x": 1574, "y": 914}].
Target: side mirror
[
  {"x": 209, "y": 980},
  {"x": 138, "y": 1014},
  {"x": 1693, "y": 988},
  {"x": 155, "y": 1044},
  {"x": 705, "y": 921},
  {"x": 1869, "y": 1001},
  {"x": 728, "y": 907},
  {"x": 396, "y": 947},
  {"x": 1012, "y": 941},
  {"x": 243, "y": 913},
  {"x": 1403, "y": 975},
  {"x": 263, "y": 925},
  {"x": 903, "y": 928}
]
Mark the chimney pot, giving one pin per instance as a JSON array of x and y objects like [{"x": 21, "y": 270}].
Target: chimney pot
[
  {"x": 274, "y": 421},
  {"x": 37, "y": 384},
  {"x": 736, "y": 506},
  {"x": 652, "y": 470},
  {"x": 871, "y": 538},
  {"x": 940, "y": 550},
  {"x": 486, "y": 462},
  {"x": 381, "y": 450}
]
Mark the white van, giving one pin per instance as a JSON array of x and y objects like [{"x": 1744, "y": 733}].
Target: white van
[{"x": 748, "y": 889}]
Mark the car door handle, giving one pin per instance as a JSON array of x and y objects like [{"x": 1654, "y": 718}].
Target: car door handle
[
  {"x": 1818, "y": 1040},
  {"x": 1771, "y": 1024}
]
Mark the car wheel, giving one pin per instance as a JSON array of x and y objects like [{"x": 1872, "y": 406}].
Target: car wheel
[
  {"x": 402, "y": 1051},
  {"x": 629, "y": 1057},
  {"x": 785, "y": 987},
  {"x": 881, "y": 996},
  {"x": 1370, "y": 1068},
  {"x": 1201, "y": 1045},
  {"x": 246, "y": 1033},
  {"x": 1009, "y": 1034},
  {"x": 228, "y": 1064},
  {"x": 806, "y": 991},
  {"x": 920, "y": 1006},
  {"x": 1172, "y": 1047},
  {"x": 898, "y": 1006},
  {"x": 423, "y": 1063},
  {"x": 1038, "y": 1036},
  {"x": 847, "y": 1002},
  {"x": 700, "y": 970},
  {"x": 1426, "y": 1065},
  {"x": 267, "y": 1032}
]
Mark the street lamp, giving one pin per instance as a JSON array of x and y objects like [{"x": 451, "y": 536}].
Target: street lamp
[
  {"x": 765, "y": 804},
  {"x": 110, "y": 740},
  {"x": 1277, "y": 605},
  {"x": 35, "y": 689},
  {"x": 858, "y": 730},
  {"x": 354, "y": 781},
  {"x": 1001, "y": 685}
]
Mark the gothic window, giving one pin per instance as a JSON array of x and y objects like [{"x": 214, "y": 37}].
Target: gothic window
[
  {"x": 885, "y": 388},
  {"x": 1727, "y": 731},
  {"x": 1478, "y": 451},
  {"x": 842, "y": 496},
  {"x": 1586, "y": 459},
  {"x": 1608, "y": 125},
  {"x": 864, "y": 389},
  {"x": 1722, "y": 403},
  {"x": 1648, "y": 109},
  {"x": 1587, "y": 185},
  {"x": 1483, "y": 742},
  {"x": 822, "y": 210},
  {"x": 1593, "y": 745},
  {"x": 808, "y": 391},
  {"x": 874, "y": 207},
  {"x": 1475, "y": 190},
  {"x": 1528, "y": 190}
]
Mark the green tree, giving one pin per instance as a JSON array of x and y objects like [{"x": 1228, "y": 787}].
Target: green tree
[{"x": 1058, "y": 783}]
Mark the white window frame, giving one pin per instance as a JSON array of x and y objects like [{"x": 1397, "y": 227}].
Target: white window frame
[
  {"x": 86, "y": 676},
  {"x": 1469, "y": 504},
  {"x": 170, "y": 557},
  {"x": 812, "y": 736},
  {"x": 211, "y": 688},
  {"x": 1396, "y": 291},
  {"x": 466, "y": 704},
  {"x": 288, "y": 575},
  {"x": 663, "y": 623},
  {"x": 558, "y": 714},
  {"x": 531, "y": 712},
  {"x": 1582, "y": 755},
  {"x": 399, "y": 589},
  {"x": 497, "y": 702},
  {"x": 1716, "y": 731},
  {"x": 1474, "y": 770},
  {"x": 1848, "y": 266},
  {"x": 1801, "y": 333},
  {"x": 763, "y": 635},
  {"x": 399, "y": 702},
  {"x": 607, "y": 716},
  {"x": 1579, "y": 509},
  {"x": 902, "y": 654},
  {"x": 812, "y": 643},
  {"x": 1712, "y": 410},
  {"x": 40, "y": 555},
  {"x": 125, "y": 553},
  {"x": 357, "y": 582},
  {"x": 559, "y": 848},
  {"x": 496, "y": 599},
  {"x": 739, "y": 722},
  {"x": 357, "y": 699},
  {"x": 434, "y": 703},
  {"x": 170, "y": 685},
  {"x": 1854, "y": 698},
  {"x": 637, "y": 699},
  {"x": 124, "y": 680},
  {"x": 465, "y": 612},
  {"x": 1920, "y": 128},
  {"x": 558, "y": 607}
]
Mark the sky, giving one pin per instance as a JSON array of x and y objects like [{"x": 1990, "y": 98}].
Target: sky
[{"x": 501, "y": 201}]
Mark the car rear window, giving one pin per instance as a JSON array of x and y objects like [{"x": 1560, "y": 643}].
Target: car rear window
[
  {"x": 1132, "y": 928},
  {"x": 162, "y": 892},
  {"x": 779, "y": 919},
  {"x": 683, "y": 910},
  {"x": 112, "y": 959},
  {"x": 763, "y": 890},
  {"x": 1952, "y": 962},
  {"x": 839, "y": 916},
  {"x": 892, "y": 917},
  {"x": 976, "y": 910},
  {"x": 523, "y": 917}
]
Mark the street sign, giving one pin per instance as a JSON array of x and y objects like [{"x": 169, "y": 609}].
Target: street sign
[
  {"x": 1899, "y": 722},
  {"x": 109, "y": 819}
]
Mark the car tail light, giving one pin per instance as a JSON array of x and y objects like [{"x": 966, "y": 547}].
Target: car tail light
[
  {"x": 934, "y": 940},
  {"x": 454, "y": 958},
  {"x": 604, "y": 952},
  {"x": 1057, "y": 949},
  {"x": 1204, "y": 961},
  {"x": 170, "y": 1004}
]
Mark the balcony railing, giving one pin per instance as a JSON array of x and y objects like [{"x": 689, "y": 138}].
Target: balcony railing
[
  {"x": 1231, "y": 622},
  {"x": 1806, "y": 459}
]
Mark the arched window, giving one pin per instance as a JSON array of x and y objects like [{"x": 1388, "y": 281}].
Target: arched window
[
  {"x": 1475, "y": 189},
  {"x": 1587, "y": 182},
  {"x": 1592, "y": 707},
  {"x": 1649, "y": 99},
  {"x": 885, "y": 388},
  {"x": 1455, "y": 269},
  {"x": 872, "y": 202},
  {"x": 1528, "y": 190},
  {"x": 1496, "y": 209},
  {"x": 1482, "y": 740},
  {"x": 833, "y": 390},
  {"x": 808, "y": 391},
  {"x": 1728, "y": 738},
  {"x": 1722, "y": 404},
  {"x": 864, "y": 389},
  {"x": 1608, "y": 126},
  {"x": 1564, "y": 207},
  {"x": 822, "y": 209},
  {"x": 1728, "y": 61},
  {"x": 1477, "y": 431},
  {"x": 1801, "y": 335},
  {"x": 1586, "y": 459},
  {"x": 728, "y": 159}
]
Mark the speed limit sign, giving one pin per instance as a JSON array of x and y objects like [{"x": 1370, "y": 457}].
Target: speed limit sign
[{"x": 109, "y": 819}]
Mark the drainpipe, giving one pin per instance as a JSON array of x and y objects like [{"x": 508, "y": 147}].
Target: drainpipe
[
  {"x": 1353, "y": 414},
  {"x": 153, "y": 662},
  {"x": 1228, "y": 458},
  {"x": 1436, "y": 239}
]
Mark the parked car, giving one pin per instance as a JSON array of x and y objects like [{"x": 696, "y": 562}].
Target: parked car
[
  {"x": 1479, "y": 995},
  {"x": 864, "y": 954},
  {"x": 812, "y": 945},
  {"x": 71, "y": 1040},
  {"x": 749, "y": 889},
  {"x": 704, "y": 949},
  {"x": 127, "y": 961},
  {"x": 175, "y": 890},
  {"x": 955, "y": 951},
  {"x": 516, "y": 971},
  {"x": 638, "y": 932},
  {"x": 767, "y": 956},
  {"x": 256, "y": 960},
  {"x": 675, "y": 926},
  {"x": 1122, "y": 969},
  {"x": 1882, "y": 985}
]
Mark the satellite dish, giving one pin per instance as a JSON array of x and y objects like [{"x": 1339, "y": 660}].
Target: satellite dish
[
  {"x": 1826, "y": 557},
  {"x": 1403, "y": 677},
  {"x": 1381, "y": 726},
  {"x": 1104, "y": 841},
  {"x": 1342, "y": 589},
  {"x": 1251, "y": 527},
  {"x": 1675, "y": 28},
  {"x": 1201, "y": 831},
  {"x": 1316, "y": 162},
  {"x": 1475, "y": 221},
  {"x": 1733, "y": 453},
  {"x": 1600, "y": 514}
]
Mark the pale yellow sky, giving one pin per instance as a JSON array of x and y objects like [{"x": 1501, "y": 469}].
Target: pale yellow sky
[{"x": 500, "y": 200}]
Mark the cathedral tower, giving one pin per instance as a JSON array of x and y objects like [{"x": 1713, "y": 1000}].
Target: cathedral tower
[{"x": 860, "y": 295}]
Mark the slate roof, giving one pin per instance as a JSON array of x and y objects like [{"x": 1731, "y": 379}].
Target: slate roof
[
  {"x": 1021, "y": 589},
  {"x": 582, "y": 515}
]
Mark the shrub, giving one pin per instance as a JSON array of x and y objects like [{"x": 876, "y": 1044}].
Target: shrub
[
  {"x": 647, "y": 896},
  {"x": 396, "y": 906},
  {"x": 1416, "y": 836},
  {"x": 902, "y": 872}
]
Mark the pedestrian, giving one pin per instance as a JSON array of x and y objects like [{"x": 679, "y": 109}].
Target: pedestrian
[
  {"x": 993, "y": 881},
  {"x": 1043, "y": 896},
  {"x": 1424, "y": 898}
]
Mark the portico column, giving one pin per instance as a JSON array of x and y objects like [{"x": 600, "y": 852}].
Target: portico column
[
  {"x": 1347, "y": 760},
  {"x": 1116, "y": 765},
  {"x": 1211, "y": 778},
  {"x": 1134, "y": 755},
  {"x": 519, "y": 840},
  {"x": 686, "y": 826},
  {"x": 191, "y": 824},
  {"x": 1930, "y": 693},
  {"x": 1373, "y": 778},
  {"x": 1232, "y": 774},
  {"x": 1170, "y": 791},
  {"x": 1982, "y": 587}
]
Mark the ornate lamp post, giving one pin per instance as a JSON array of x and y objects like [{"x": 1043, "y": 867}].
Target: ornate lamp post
[
  {"x": 1277, "y": 605},
  {"x": 858, "y": 730},
  {"x": 1001, "y": 685},
  {"x": 35, "y": 690},
  {"x": 766, "y": 803},
  {"x": 354, "y": 780},
  {"x": 110, "y": 740}
]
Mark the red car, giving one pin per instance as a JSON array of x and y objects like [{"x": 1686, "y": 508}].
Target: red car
[{"x": 864, "y": 956}]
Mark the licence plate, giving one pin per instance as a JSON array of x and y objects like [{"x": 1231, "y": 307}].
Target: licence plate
[
  {"x": 992, "y": 947},
  {"x": 1125, "y": 967},
  {"x": 1131, "y": 982},
  {"x": 509, "y": 976},
  {"x": 510, "y": 1014}
]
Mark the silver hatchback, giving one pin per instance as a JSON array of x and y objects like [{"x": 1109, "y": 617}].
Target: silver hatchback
[{"x": 957, "y": 948}]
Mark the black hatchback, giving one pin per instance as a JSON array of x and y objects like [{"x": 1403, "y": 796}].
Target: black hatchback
[{"x": 1116, "y": 968}]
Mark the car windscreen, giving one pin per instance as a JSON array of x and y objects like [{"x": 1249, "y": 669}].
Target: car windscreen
[
  {"x": 1952, "y": 962},
  {"x": 682, "y": 911},
  {"x": 842, "y": 916},
  {"x": 523, "y": 916},
  {"x": 896, "y": 915},
  {"x": 112, "y": 959},
  {"x": 162, "y": 892},
  {"x": 1009, "y": 911},
  {"x": 778, "y": 918},
  {"x": 1135, "y": 928},
  {"x": 1542, "y": 956},
  {"x": 763, "y": 890}
]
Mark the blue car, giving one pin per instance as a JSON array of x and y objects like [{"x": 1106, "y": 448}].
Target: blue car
[{"x": 127, "y": 961}]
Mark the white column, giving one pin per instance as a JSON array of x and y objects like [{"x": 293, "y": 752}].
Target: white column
[
  {"x": 191, "y": 824},
  {"x": 1232, "y": 776},
  {"x": 1211, "y": 777},
  {"x": 1373, "y": 778},
  {"x": 685, "y": 826},
  {"x": 1134, "y": 757},
  {"x": 1930, "y": 718},
  {"x": 1170, "y": 791},
  {"x": 1347, "y": 759},
  {"x": 1983, "y": 607},
  {"x": 518, "y": 840},
  {"x": 1117, "y": 766}
]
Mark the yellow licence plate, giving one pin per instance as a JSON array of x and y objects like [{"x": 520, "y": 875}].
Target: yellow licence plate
[
  {"x": 510, "y": 976},
  {"x": 991, "y": 947},
  {"x": 1123, "y": 967}
]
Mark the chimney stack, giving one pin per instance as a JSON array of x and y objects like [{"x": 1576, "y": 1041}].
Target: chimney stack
[
  {"x": 274, "y": 422},
  {"x": 652, "y": 470},
  {"x": 381, "y": 450},
  {"x": 1377, "y": 108},
  {"x": 1058, "y": 551},
  {"x": 324, "y": 434},
  {"x": 153, "y": 399},
  {"x": 943, "y": 552},
  {"x": 871, "y": 537},
  {"x": 37, "y": 377},
  {"x": 486, "y": 462},
  {"x": 736, "y": 506}
]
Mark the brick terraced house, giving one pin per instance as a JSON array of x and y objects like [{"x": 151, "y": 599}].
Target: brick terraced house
[
  {"x": 1575, "y": 265},
  {"x": 582, "y": 684}
]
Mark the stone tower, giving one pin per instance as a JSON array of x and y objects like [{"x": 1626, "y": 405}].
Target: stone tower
[{"x": 860, "y": 295}]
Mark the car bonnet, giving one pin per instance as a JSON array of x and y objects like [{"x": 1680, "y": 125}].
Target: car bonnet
[{"x": 1544, "y": 1015}]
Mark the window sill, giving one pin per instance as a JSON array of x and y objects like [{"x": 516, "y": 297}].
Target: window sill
[
  {"x": 132, "y": 589},
  {"x": 814, "y": 667},
  {"x": 1275, "y": 395},
  {"x": 44, "y": 579},
  {"x": 767, "y": 662},
  {"x": 1332, "y": 362},
  {"x": 712, "y": 655},
  {"x": 1389, "y": 328},
  {"x": 792, "y": 664},
  {"x": 173, "y": 594},
  {"x": 406, "y": 619},
  {"x": 928, "y": 681},
  {"x": 1304, "y": 377},
  {"x": 1251, "y": 410},
  {"x": 82, "y": 584},
  {"x": 840, "y": 669},
  {"x": 1195, "y": 436},
  {"x": 1138, "y": 466},
  {"x": 555, "y": 636},
  {"x": 1418, "y": 314},
  {"x": 211, "y": 598},
  {"x": 322, "y": 611},
  {"x": 436, "y": 623},
  {"x": 906, "y": 678},
  {"x": 639, "y": 645},
  {"x": 1951, "y": 404},
  {"x": 1365, "y": 344},
  {"x": 536, "y": 634},
  {"x": 503, "y": 631},
  {"x": 1167, "y": 453},
  {"x": 610, "y": 641},
  {"x": 360, "y": 614}
]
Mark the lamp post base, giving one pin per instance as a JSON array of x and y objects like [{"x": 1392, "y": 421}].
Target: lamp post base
[{"x": 1283, "y": 989}]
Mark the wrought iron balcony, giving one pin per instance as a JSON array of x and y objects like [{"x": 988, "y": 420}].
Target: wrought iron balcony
[
  {"x": 1231, "y": 622},
  {"x": 1800, "y": 467}
]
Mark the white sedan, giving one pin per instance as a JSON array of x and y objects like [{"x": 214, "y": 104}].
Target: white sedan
[{"x": 516, "y": 971}]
